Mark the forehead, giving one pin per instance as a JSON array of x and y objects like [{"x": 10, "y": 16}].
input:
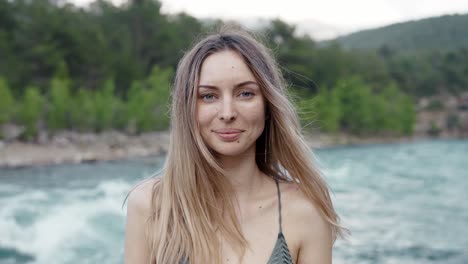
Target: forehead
[{"x": 224, "y": 67}]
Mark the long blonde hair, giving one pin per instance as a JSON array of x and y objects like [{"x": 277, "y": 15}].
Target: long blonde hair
[{"x": 192, "y": 202}]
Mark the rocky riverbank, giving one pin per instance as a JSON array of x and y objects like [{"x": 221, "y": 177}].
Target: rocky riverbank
[{"x": 73, "y": 148}]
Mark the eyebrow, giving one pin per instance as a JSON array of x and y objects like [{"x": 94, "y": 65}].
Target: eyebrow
[{"x": 236, "y": 86}]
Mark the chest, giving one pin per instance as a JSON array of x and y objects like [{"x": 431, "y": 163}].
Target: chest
[{"x": 261, "y": 231}]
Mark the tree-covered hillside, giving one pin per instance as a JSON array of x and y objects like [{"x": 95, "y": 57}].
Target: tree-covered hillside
[
  {"x": 444, "y": 33},
  {"x": 111, "y": 67}
]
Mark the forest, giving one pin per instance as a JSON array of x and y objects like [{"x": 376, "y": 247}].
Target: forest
[{"x": 104, "y": 67}]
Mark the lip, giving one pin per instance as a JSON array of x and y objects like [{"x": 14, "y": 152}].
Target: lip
[
  {"x": 228, "y": 134},
  {"x": 228, "y": 131}
]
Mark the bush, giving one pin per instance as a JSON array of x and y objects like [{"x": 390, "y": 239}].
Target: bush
[
  {"x": 60, "y": 105},
  {"x": 453, "y": 121},
  {"x": 7, "y": 102},
  {"x": 355, "y": 99},
  {"x": 352, "y": 106},
  {"x": 408, "y": 115},
  {"x": 435, "y": 105},
  {"x": 147, "y": 105},
  {"x": 104, "y": 106},
  {"x": 434, "y": 130},
  {"x": 326, "y": 108},
  {"x": 83, "y": 115},
  {"x": 399, "y": 113},
  {"x": 31, "y": 110}
]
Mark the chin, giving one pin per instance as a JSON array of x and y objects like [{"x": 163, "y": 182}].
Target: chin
[{"x": 229, "y": 151}]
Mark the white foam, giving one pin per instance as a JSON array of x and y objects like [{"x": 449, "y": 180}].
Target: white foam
[{"x": 59, "y": 226}]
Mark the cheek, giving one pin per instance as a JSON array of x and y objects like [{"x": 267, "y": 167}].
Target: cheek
[
  {"x": 205, "y": 115},
  {"x": 256, "y": 112},
  {"x": 256, "y": 119}
]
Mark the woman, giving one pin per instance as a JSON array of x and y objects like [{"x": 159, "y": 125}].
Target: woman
[{"x": 239, "y": 184}]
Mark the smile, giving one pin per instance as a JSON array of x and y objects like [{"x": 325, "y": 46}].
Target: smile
[{"x": 228, "y": 134}]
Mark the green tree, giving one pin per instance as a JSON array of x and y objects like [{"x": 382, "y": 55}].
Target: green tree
[
  {"x": 32, "y": 106},
  {"x": 391, "y": 112},
  {"x": 148, "y": 101},
  {"x": 159, "y": 84},
  {"x": 355, "y": 101},
  {"x": 7, "y": 102},
  {"x": 60, "y": 102},
  {"x": 83, "y": 117},
  {"x": 327, "y": 106},
  {"x": 305, "y": 103},
  {"x": 407, "y": 115},
  {"x": 104, "y": 105}
]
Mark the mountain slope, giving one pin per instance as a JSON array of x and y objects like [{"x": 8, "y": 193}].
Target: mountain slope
[{"x": 448, "y": 32}]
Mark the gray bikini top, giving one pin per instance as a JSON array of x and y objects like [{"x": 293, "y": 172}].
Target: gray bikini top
[{"x": 280, "y": 254}]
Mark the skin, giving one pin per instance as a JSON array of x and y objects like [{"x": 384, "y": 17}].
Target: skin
[{"x": 228, "y": 97}]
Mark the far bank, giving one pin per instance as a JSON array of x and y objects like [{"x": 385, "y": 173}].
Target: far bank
[{"x": 73, "y": 148}]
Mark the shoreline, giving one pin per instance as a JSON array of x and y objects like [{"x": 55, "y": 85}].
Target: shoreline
[{"x": 75, "y": 148}]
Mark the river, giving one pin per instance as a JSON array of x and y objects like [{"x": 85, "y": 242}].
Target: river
[{"x": 404, "y": 203}]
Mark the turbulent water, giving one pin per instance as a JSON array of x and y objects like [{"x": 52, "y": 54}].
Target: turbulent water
[{"x": 405, "y": 203}]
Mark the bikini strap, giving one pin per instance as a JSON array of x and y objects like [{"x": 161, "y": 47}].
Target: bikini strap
[{"x": 279, "y": 206}]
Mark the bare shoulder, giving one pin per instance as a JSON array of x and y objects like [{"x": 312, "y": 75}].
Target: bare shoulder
[
  {"x": 139, "y": 198},
  {"x": 138, "y": 212},
  {"x": 298, "y": 205},
  {"x": 306, "y": 226}
]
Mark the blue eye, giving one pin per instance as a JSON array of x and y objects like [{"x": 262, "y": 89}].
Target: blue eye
[
  {"x": 247, "y": 94},
  {"x": 207, "y": 97}
]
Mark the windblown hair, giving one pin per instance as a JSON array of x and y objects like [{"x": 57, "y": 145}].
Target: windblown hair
[{"x": 192, "y": 204}]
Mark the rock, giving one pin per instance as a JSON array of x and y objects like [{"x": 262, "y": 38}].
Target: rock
[
  {"x": 11, "y": 132},
  {"x": 464, "y": 122},
  {"x": 89, "y": 157},
  {"x": 43, "y": 137},
  {"x": 114, "y": 139},
  {"x": 131, "y": 128},
  {"x": 61, "y": 140},
  {"x": 86, "y": 139}
]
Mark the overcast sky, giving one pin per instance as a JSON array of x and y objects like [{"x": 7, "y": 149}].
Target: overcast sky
[{"x": 356, "y": 14}]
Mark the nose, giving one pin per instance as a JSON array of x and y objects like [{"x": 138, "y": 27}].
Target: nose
[{"x": 228, "y": 111}]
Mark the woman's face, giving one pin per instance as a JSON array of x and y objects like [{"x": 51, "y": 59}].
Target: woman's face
[{"x": 230, "y": 105}]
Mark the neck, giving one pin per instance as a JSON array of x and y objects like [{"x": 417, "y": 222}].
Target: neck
[{"x": 243, "y": 173}]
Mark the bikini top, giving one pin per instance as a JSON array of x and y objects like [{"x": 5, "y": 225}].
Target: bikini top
[{"x": 280, "y": 254}]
